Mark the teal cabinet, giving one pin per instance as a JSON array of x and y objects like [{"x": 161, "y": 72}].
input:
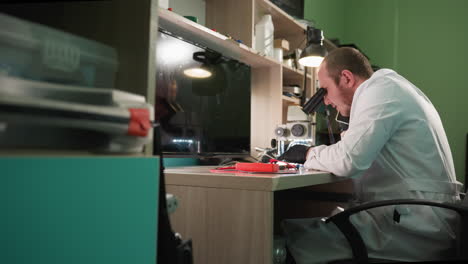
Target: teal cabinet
[{"x": 78, "y": 210}]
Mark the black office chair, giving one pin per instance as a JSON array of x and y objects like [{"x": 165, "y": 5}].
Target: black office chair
[{"x": 358, "y": 247}]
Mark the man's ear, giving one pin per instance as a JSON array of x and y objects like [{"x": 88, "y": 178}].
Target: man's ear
[{"x": 348, "y": 78}]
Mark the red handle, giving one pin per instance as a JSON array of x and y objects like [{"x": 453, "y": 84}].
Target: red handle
[
  {"x": 140, "y": 123},
  {"x": 258, "y": 167}
]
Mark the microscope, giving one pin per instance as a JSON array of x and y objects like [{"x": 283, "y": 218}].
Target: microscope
[{"x": 299, "y": 128}]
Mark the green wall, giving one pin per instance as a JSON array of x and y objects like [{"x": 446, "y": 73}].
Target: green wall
[
  {"x": 326, "y": 14},
  {"x": 407, "y": 36}
]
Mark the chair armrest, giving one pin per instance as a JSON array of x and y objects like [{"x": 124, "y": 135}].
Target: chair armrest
[
  {"x": 341, "y": 220},
  {"x": 365, "y": 206}
]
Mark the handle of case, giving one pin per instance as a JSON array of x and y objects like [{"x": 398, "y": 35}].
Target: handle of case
[{"x": 140, "y": 123}]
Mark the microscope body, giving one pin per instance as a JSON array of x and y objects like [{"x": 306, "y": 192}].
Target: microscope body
[{"x": 299, "y": 129}]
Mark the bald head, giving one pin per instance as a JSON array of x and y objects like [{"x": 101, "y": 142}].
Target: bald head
[{"x": 347, "y": 59}]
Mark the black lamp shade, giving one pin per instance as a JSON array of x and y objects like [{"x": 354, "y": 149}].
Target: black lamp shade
[
  {"x": 205, "y": 70},
  {"x": 314, "y": 53}
]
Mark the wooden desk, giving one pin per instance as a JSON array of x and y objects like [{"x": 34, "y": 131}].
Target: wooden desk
[{"x": 230, "y": 217}]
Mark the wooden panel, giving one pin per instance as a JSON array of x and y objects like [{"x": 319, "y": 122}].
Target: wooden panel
[
  {"x": 225, "y": 225},
  {"x": 266, "y": 104},
  {"x": 234, "y": 18}
]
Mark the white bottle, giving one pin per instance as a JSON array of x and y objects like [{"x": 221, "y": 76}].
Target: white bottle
[{"x": 264, "y": 35}]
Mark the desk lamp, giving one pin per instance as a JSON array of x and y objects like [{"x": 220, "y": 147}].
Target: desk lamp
[
  {"x": 312, "y": 56},
  {"x": 314, "y": 52},
  {"x": 205, "y": 69}
]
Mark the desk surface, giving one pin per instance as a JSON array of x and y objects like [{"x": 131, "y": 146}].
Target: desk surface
[{"x": 201, "y": 176}]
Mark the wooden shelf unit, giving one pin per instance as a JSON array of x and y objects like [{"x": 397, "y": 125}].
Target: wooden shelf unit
[{"x": 269, "y": 107}]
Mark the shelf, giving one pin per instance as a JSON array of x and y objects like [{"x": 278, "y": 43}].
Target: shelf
[
  {"x": 291, "y": 101},
  {"x": 285, "y": 25},
  {"x": 204, "y": 36},
  {"x": 289, "y": 71},
  {"x": 294, "y": 77}
]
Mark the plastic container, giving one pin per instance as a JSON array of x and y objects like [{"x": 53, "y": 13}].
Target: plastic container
[
  {"x": 33, "y": 51},
  {"x": 278, "y": 54},
  {"x": 264, "y": 36},
  {"x": 42, "y": 115}
]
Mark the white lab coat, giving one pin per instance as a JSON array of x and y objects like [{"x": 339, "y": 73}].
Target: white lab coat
[{"x": 395, "y": 148}]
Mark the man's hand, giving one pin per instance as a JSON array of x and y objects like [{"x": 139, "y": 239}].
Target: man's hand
[{"x": 295, "y": 154}]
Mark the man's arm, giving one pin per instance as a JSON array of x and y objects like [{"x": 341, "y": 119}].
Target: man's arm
[{"x": 372, "y": 126}]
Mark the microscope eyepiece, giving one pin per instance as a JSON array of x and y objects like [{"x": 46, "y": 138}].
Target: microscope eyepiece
[{"x": 313, "y": 103}]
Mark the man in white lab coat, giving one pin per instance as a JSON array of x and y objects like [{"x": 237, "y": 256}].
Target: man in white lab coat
[{"x": 395, "y": 147}]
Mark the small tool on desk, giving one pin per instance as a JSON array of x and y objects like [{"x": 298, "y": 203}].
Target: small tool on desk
[
  {"x": 249, "y": 167},
  {"x": 271, "y": 167}
]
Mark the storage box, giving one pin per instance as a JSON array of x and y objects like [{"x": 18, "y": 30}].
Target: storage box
[
  {"x": 281, "y": 43},
  {"x": 33, "y": 51},
  {"x": 42, "y": 115}
]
